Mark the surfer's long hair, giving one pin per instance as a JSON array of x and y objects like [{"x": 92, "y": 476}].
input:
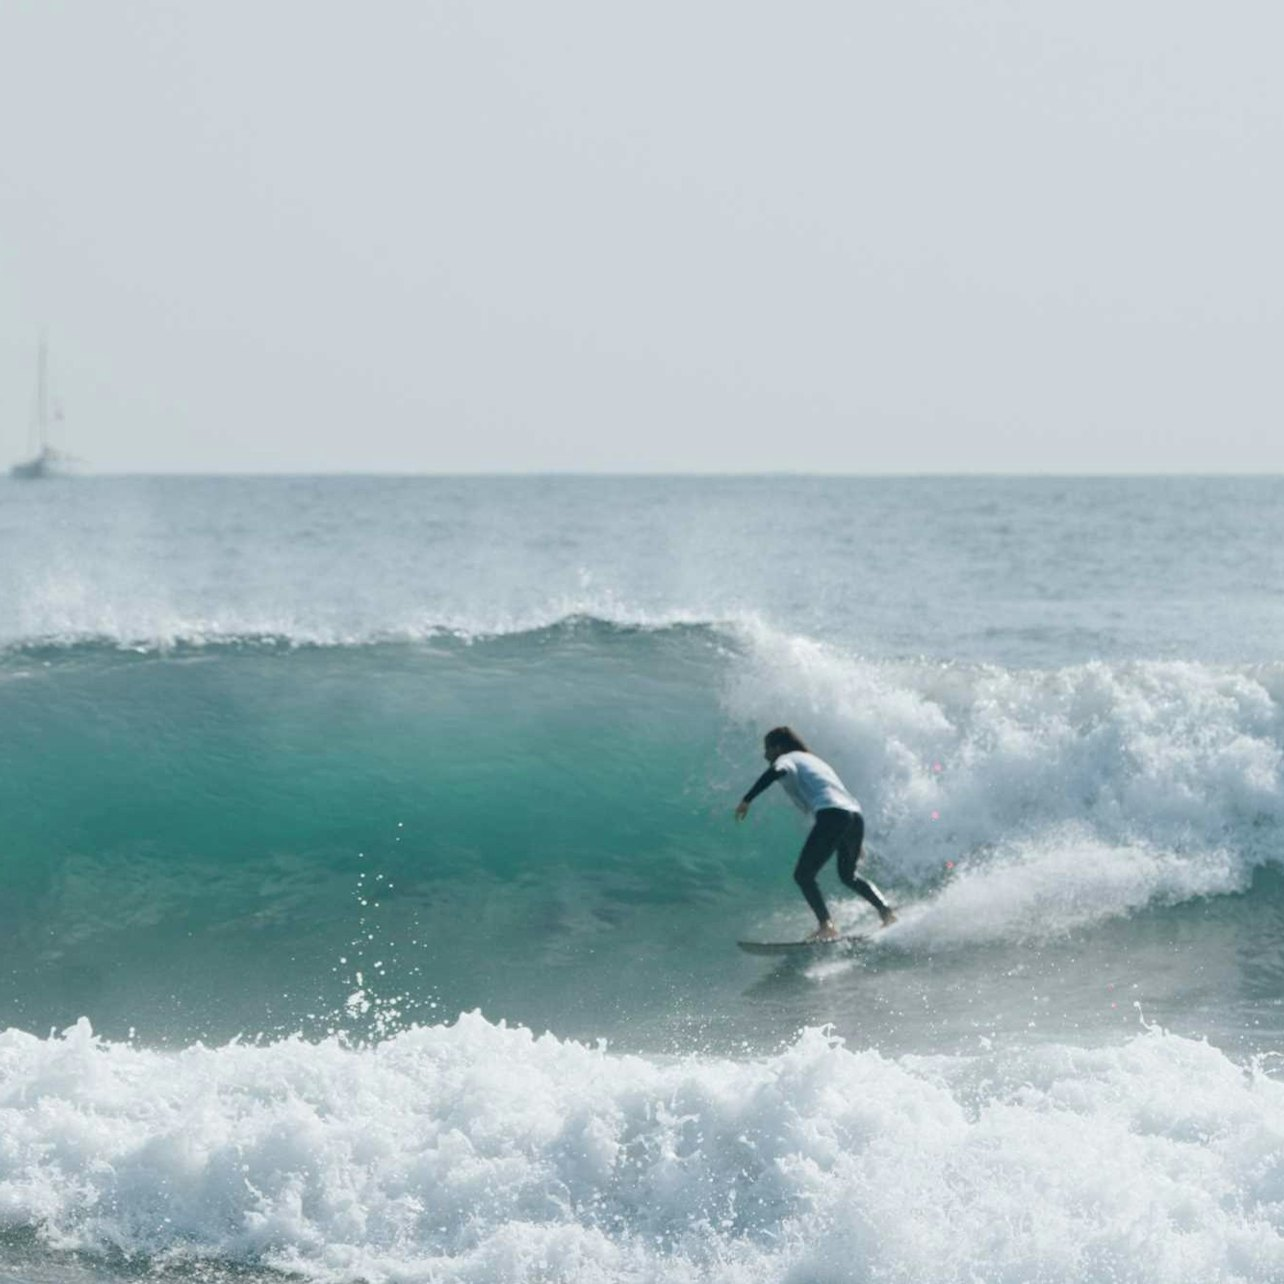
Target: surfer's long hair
[{"x": 784, "y": 740}]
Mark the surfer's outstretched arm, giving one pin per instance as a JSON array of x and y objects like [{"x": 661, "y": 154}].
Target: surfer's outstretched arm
[{"x": 768, "y": 777}]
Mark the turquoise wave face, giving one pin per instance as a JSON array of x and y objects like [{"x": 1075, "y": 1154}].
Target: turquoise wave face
[{"x": 249, "y": 837}]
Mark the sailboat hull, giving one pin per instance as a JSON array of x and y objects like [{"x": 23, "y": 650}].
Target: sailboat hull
[{"x": 34, "y": 469}]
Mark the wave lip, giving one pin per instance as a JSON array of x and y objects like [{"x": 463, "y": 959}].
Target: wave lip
[
  {"x": 68, "y": 611},
  {"x": 476, "y": 1151}
]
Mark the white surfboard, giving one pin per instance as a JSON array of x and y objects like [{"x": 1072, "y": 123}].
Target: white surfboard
[{"x": 795, "y": 947}]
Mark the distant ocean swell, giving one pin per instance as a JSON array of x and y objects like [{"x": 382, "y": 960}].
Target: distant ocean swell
[{"x": 476, "y": 1152}]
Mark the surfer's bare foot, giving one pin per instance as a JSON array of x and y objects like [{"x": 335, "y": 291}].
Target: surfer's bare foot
[
  {"x": 825, "y": 932},
  {"x": 889, "y": 917}
]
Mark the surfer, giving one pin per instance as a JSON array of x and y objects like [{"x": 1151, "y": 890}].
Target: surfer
[{"x": 837, "y": 823}]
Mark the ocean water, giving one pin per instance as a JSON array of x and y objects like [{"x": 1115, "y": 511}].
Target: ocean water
[{"x": 369, "y": 887}]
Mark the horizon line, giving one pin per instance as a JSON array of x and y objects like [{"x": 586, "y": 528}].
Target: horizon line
[
  {"x": 642, "y": 474},
  {"x": 694, "y": 474}
]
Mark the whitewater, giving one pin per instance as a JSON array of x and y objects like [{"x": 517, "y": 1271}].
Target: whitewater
[{"x": 370, "y": 886}]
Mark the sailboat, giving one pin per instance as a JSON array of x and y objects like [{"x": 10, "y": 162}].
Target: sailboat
[{"x": 47, "y": 461}]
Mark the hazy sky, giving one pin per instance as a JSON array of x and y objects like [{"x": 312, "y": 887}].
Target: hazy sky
[{"x": 900, "y": 236}]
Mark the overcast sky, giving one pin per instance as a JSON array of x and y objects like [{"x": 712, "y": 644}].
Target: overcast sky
[{"x": 957, "y": 236}]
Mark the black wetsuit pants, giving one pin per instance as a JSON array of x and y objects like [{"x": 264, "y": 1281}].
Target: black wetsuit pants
[{"x": 843, "y": 831}]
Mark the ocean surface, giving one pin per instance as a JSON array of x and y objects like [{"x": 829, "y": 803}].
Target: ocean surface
[{"x": 369, "y": 886}]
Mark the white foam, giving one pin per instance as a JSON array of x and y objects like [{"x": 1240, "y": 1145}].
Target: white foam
[
  {"x": 1034, "y": 891},
  {"x": 476, "y": 1152},
  {"x": 1059, "y": 796}
]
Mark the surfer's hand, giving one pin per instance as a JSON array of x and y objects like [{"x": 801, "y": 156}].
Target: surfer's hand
[{"x": 742, "y": 810}]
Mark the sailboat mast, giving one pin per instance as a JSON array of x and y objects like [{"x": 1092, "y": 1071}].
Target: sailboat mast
[{"x": 42, "y": 394}]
